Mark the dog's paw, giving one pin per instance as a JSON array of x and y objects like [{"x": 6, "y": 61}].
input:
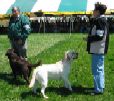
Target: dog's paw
[
  {"x": 70, "y": 89},
  {"x": 45, "y": 97}
]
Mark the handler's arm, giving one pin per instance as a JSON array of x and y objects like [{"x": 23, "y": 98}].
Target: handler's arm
[
  {"x": 100, "y": 31},
  {"x": 26, "y": 27}
]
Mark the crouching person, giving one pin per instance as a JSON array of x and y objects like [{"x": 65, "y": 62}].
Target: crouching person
[
  {"x": 18, "y": 31},
  {"x": 97, "y": 46}
]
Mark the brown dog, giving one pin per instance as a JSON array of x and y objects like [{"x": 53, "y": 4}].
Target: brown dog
[{"x": 19, "y": 65}]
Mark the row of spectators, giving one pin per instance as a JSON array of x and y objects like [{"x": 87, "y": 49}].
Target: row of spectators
[{"x": 62, "y": 25}]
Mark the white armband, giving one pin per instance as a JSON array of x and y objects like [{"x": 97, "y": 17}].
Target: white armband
[
  {"x": 27, "y": 27},
  {"x": 100, "y": 32}
]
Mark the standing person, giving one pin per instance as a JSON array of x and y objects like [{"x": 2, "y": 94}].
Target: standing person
[
  {"x": 97, "y": 46},
  {"x": 18, "y": 31}
]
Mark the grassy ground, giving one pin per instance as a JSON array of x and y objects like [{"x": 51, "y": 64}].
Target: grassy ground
[{"x": 50, "y": 48}]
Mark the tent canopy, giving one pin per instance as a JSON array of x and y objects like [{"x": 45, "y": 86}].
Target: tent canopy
[{"x": 52, "y": 5}]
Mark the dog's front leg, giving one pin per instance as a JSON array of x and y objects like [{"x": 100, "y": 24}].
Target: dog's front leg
[
  {"x": 15, "y": 77},
  {"x": 67, "y": 84},
  {"x": 14, "y": 74}
]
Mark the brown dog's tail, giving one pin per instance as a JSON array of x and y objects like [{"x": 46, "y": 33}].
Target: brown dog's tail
[{"x": 35, "y": 65}]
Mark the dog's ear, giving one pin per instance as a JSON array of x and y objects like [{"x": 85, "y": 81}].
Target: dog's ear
[
  {"x": 11, "y": 50},
  {"x": 66, "y": 55},
  {"x": 6, "y": 54}
]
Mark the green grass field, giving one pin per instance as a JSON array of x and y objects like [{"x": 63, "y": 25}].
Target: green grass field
[{"x": 50, "y": 48}]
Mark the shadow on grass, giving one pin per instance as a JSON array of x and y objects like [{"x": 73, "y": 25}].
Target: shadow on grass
[
  {"x": 82, "y": 90},
  {"x": 10, "y": 80},
  {"x": 58, "y": 91},
  {"x": 25, "y": 95},
  {"x": 111, "y": 60}
]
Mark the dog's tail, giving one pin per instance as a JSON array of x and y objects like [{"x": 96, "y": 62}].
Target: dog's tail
[
  {"x": 35, "y": 65},
  {"x": 32, "y": 82}
]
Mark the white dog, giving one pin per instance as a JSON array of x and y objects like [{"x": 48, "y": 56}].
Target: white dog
[{"x": 60, "y": 70}]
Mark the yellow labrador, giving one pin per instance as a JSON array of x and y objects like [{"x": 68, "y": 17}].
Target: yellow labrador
[{"x": 60, "y": 70}]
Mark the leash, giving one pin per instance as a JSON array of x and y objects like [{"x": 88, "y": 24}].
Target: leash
[{"x": 78, "y": 47}]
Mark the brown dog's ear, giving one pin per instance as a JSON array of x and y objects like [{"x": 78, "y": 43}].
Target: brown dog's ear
[
  {"x": 6, "y": 54},
  {"x": 9, "y": 51},
  {"x": 12, "y": 50}
]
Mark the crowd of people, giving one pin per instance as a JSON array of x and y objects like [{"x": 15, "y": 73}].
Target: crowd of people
[
  {"x": 61, "y": 24},
  {"x": 76, "y": 24}
]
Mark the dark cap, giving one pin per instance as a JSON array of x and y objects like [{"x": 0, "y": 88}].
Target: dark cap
[{"x": 101, "y": 7}]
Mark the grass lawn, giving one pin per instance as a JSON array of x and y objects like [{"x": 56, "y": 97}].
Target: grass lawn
[{"x": 50, "y": 48}]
